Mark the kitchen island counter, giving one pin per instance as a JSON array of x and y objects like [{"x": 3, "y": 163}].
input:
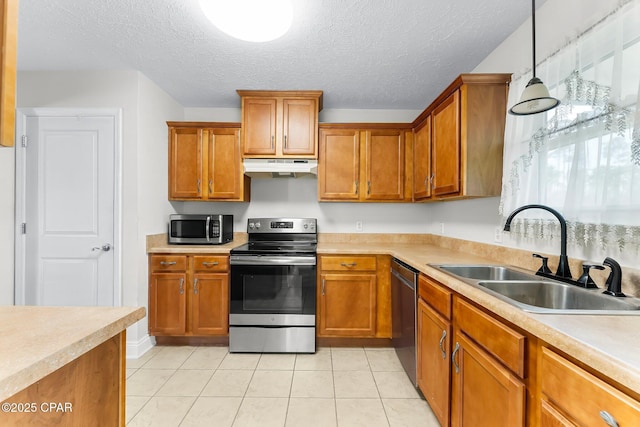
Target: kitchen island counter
[{"x": 49, "y": 351}]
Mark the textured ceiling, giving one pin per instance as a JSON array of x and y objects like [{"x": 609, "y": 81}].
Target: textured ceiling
[{"x": 387, "y": 54}]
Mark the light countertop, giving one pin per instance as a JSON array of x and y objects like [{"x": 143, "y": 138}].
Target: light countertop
[
  {"x": 36, "y": 341},
  {"x": 608, "y": 344}
]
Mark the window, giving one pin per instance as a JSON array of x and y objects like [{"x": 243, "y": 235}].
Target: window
[{"x": 583, "y": 158}]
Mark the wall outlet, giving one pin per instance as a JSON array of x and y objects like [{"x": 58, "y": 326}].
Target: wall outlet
[
  {"x": 497, "y": 237},
  {"x": 442, "y": 228},
  {"x": 359, "y": 226}
]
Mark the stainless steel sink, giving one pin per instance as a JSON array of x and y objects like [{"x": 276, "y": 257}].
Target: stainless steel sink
[
  {"x": 555, "y": 297},
  {"x": 486, "y": 272},
  {"x": 537, "y": 294}
]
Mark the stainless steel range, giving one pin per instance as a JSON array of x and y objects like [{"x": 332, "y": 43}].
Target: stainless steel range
[{"x": 273, "y": 287}]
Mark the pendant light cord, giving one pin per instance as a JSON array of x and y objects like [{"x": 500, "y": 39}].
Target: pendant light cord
[{"x": 533, "y": 34}]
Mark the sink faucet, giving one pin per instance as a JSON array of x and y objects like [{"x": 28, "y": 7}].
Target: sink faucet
[
  {"x": 563, "y": 265},
  {"x": 614, "y": 281}
]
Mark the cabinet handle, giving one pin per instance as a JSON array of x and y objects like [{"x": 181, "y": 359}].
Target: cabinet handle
[
  {"x": 368, "y": 187},
  {"x": 167, "y": 263},
  {"x": 198, "y": 186},
  {"x": 195, "y": 286},
  {"x": 181, "y": 286},
  {"x": 351, "y": 264},
  {"x": 444, "y": 353},
  {"x": 209, "y": 264},
  {"x": 357, "y": 187},
  {"x": 608, "y": 419},
  {"x": 272, "y": 141},
  {"x": 210, "y": 186},
  {"x": 453, "y": 357},
  {"x": 323, "y": 283},
  {"x": 285, "y": 141},
  {"x": 431, "y": 180},
  {"x": 426, "y": 182}
]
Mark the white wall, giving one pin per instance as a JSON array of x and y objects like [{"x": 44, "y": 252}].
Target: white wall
[
  {"x": 298, "y": 197},
  {"x": 7, "y": 224},
  {"x": 145, "y": 110},
  {"x": 557, "y": 21}
]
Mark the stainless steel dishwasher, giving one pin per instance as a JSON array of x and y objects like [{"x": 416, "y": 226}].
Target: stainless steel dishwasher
[{"x": 404, "y": 299}]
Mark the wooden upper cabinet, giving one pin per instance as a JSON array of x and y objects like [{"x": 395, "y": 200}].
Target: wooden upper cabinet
[
  {"x": 446, "y": 146},
  {"x": 339, "y": 164},
  {"x": 259, "y": 125},
  {"x": 422, "y": 160},
  {"x": 365, "y": 165},
  {"x": 384, "y": 165},
  {"x": 225, "y": 171},
  {"x": 185, "y": 163},
  {"x": 280, "y": 123},
  {"x": 8, "y": 55},
  {"x": 466, "y": 137},
  {"x": 205, "y": 162}
]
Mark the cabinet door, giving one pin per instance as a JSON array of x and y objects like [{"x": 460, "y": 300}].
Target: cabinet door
[
  {"x": 434, "y": 367},
  {"x": 300, "y": 127},
  {"x": 185, "y": 163},
  {"x": 225, "y": 177},
  {"x": 422, "y": 161},
  {"x": 347, "y": 305},
  {"x": 484, "y": 393},
  {"x": 210, "y": 304},
  {"x": 446, "y": 146},
  {"x": 385, "y": 165},
  {"x": 338, "y": 164},
  {"x": 259, "y": 126},
  {"x": 167, "y": 304}
]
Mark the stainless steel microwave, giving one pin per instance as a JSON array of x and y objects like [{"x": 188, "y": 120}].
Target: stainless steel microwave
[{"x": 200, "y": 229}]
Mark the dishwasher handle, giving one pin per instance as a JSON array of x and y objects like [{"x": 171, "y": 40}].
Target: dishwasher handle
[{"x": 403, "y": 280}]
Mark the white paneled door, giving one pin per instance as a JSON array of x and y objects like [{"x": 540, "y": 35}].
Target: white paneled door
[{"x": 69, "y": 210}]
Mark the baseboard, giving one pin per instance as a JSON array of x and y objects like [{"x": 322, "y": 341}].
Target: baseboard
[{"x": 135, "y": 349}]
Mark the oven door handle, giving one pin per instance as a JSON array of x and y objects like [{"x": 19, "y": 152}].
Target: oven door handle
[{"x": 271, "y": 260}]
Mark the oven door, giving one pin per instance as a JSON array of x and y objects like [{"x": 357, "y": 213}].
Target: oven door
[{"x": 272, "y": 290}]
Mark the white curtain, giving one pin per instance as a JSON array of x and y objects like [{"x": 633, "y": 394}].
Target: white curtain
[{"x": 583, "y": 158}]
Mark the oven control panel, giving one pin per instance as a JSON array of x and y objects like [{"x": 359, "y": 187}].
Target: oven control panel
[{"x": 281, "y": 225}]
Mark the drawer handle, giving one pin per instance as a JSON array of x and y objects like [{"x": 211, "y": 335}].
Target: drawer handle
[
  {"x": 608, "y": 419},
  {"x": 209, "y": 263},
  {"x": 351, "y": 264},
  {"x": 453, "y": 357},
  {"x": 444, "y": 353},
  {"x": 195, "y": 286},
  {"x": 323, "y": 283},
  {"x": 181, "y": 286},
  {"x": 167, "y": 263}
]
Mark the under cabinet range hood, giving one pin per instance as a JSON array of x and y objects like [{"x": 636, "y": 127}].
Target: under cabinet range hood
[{"x": 280, "y": 168}]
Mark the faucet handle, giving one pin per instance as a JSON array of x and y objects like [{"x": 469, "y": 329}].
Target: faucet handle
[
  {"x": 585, "y": 280},
  {"x": 614, "y": 281},
  {"x": 544, "y": 268}
]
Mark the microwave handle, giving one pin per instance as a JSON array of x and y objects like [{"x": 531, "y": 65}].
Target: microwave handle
[{"x": 207, "y": 228}]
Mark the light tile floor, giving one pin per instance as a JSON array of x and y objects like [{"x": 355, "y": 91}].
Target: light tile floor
[{"x": 208, "y": 386}]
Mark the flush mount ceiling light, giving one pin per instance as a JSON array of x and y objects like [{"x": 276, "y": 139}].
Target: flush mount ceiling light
[
  {"x": 535, "y": 97},
  {"x": 250, "y": 20}
]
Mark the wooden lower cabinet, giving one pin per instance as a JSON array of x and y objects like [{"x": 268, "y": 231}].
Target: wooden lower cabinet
[
  {"x": 484, "y": 393},
  {"x": 571, "y": 396},
  {"x": 354, "y": 296},
  {"x": 434, "y": 367},
  {"x": 188, "y": 295}
]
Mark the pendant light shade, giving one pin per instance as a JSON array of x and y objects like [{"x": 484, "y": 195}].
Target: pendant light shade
[{"x": 535, "y": 97}]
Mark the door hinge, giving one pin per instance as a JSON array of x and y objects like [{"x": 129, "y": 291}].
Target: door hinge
[
  {"x": 23, "y": 228},
  {"x": 24, "y": 141}
]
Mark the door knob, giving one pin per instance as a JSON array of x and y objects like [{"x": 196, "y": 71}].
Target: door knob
[{"x": 106, "y": 247}]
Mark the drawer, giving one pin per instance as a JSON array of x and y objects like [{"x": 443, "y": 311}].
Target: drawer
[
  {"x": 505, "y": 344},
  {"x": 168, "y": 263},
  {"x": 581, "y": 396},
  {"x": 349, "y": 263},
  {"x": 436, "y": 295},
  {"x": 210, "y": 263}
]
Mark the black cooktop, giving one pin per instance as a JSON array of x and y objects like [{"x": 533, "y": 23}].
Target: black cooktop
[{"x": 276, "y": 247}]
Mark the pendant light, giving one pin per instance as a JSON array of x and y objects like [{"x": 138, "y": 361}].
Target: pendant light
[{"x": 535, "y": 97}]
